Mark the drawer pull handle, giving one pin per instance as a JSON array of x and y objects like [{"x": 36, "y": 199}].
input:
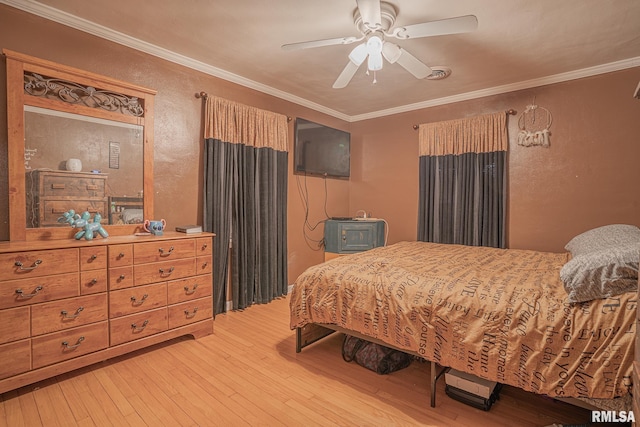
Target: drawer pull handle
[
  {"x": 94, "y": 256},
  {"x": 204, "y": 264},
  {"x": 166, "y": 272},
  {"x": 121, "y": 255},
  {"x": 190, "y": 291},
  {"x": 168, "y": 252},
  {"x": 204, "y": 246},
  {"x": 190, "y": 314},
  {"x": 135, "y": 301},
  {"x": 92, "y": 187},
  {"x": 65, "y": 314},
  {"x": 93, "y": 282},
  {"x": 33, "y": 267},
  {"x": 21, "y": 294},
  {"x": 66, "y": 345},
  {"x": 121, "y": 277},
  {"x": 58, "y": 186},
  {"x": 137, "y": 328}
]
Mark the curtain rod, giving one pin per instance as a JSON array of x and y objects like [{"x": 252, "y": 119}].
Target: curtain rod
[
  {"x": 205, "y": 95},
  {"x": 510, "y": 112}
]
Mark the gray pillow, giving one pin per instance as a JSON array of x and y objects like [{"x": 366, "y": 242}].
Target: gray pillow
[
  {"x": 603, "y": 237},
  {"x": 601, "y": 274}
]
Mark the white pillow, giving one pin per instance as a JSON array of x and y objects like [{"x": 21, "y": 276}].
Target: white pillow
[{"x": 603, "y": 237}]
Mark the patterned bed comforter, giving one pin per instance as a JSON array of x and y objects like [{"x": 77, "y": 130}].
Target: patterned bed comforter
[{"x": 499, "y": 314}]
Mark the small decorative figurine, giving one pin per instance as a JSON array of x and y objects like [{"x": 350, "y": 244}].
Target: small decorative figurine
[
  {"x": 88, "y": 228},
  {"x": 154, "y": 227}
]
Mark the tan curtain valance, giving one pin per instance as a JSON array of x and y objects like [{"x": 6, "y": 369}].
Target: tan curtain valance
[
  {"x": 240, "y": 124},
  {"x": 478, "y": 134}
]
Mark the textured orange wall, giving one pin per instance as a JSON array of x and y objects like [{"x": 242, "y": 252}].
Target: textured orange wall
[{"x": 587, "y": 177}]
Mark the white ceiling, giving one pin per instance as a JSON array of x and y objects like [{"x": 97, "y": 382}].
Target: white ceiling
[{"x": 518, "y": 44}]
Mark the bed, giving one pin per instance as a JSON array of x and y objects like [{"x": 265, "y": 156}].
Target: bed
[{"x": 506, "y": 315}]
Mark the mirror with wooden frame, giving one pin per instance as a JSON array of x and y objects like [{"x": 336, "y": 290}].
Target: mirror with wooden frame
[{"x": 77, "y": 141}]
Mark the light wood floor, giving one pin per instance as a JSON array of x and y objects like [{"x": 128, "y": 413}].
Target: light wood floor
[{"x": 248, "y": 373}]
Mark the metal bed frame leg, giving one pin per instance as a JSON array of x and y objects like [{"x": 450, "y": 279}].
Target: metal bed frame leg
[{"x": 435, "y": 375}]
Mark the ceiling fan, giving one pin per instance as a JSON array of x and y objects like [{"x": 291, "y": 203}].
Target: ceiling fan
[{"x": 374, "y": 19}]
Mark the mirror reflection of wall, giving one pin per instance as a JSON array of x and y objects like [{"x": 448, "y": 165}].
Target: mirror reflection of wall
[{"x": 112, "y": 148}]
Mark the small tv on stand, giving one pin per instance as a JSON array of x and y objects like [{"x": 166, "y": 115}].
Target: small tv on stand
[{"x": 321, "y": 150}]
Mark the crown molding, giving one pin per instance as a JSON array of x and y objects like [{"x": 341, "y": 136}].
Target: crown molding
[
  {"x": 497, "y": 90},
  {"x": 89, "y": 27}
]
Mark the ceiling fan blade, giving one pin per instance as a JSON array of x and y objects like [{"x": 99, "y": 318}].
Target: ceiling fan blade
[
  {"x": 359, "y": 54},
  {"x": 347, "y": 74},
  {"x": 394, "y": 53},
  {"x": 413, "y": 65},
  {"x": 461, "y": 24},
  {"x": 370, "y": 13},
  {"x": 320, "y": 43}
]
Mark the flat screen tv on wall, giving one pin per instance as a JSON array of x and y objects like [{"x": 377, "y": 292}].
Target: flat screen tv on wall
[{"x": 321, "y": 150}]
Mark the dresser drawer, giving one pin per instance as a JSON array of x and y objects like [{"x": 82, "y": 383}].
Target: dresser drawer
[
  {"x": 137, "y": 299},
  {"x": 204, "y": 246},
  {"x": 68, "y": 313},
  {"x": 120, "y": 255},
  {"x": 73, "y": 186},
  {"x": 204, "y": 265},
  {"x": 19, "y": 354},
  {"x": 20, "y": 265},
  {"x": 120, "y": 278},
  {"x": 164, "y": 250},
  {"x": 93, "y": 282},
  {"x": 14, "y": 324},
  {"x": 135, "y": 326},
  {"x": 190, "y": 312},
  {"x": 161, "y": 271},
  {"x": 93, "y": 258},
  {"x": 70, "y": 343},
  {"x": 189, "y": 289},
  {"x": 15, "y": 293},
  {"x": 53, "y": 209}
]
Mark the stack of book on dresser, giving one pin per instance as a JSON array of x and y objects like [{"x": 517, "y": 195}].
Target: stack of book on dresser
[{"x": 189, "y": 229}]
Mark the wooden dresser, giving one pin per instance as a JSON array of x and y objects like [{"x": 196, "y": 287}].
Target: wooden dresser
[
  {"x": 54, "y": 192},
  {"x": 69, "y": 303}
]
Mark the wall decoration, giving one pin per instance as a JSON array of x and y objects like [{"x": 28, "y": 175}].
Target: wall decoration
[
  {"x": 28, "y": 155},
  {"x": 114, "y": 155},
  {"x": 534, "y": 124}
]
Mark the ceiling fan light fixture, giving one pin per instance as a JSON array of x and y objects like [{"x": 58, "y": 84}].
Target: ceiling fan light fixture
[
  {"x": 359, "y": 54},
  {"x": 374, "y": 50},
  {"x": 391, "y": 52},
  {"x": 375, "y": 62},
  {"x": 374, "y": 45}
]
